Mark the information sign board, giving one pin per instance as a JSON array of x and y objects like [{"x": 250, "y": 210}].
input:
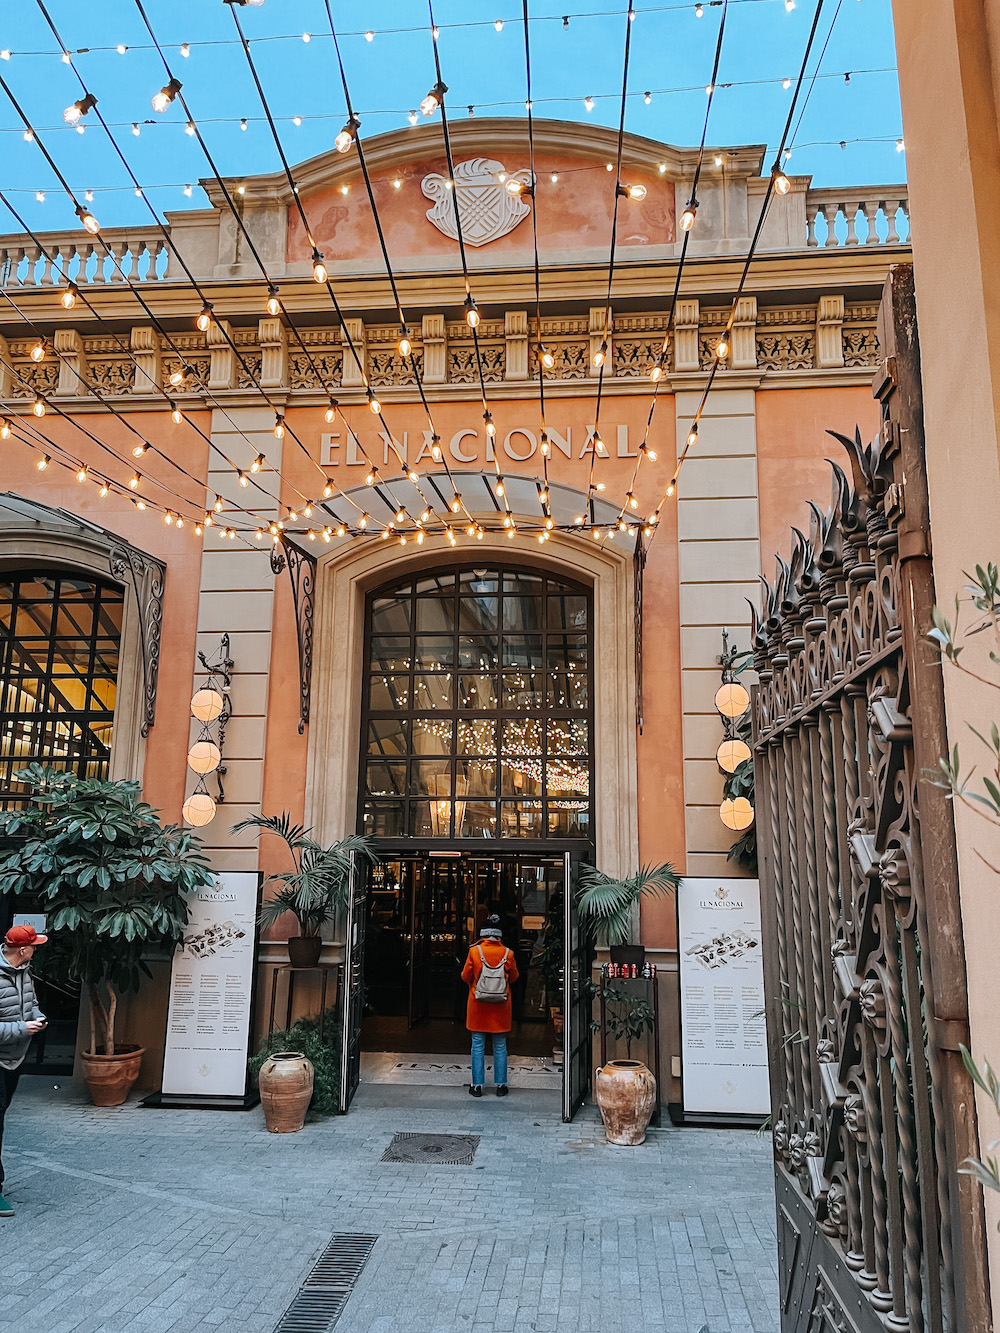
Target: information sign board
[{"x": 723, "y": 1038}]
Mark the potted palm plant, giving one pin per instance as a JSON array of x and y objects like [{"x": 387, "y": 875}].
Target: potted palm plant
[
  {"x": 315, "y": 887},
  {"x": 113, "y": 882},
  {"x": 607, "y": 905}
]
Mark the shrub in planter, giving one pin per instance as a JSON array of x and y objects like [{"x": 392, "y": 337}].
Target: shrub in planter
[
  {"x": 323, "y": 1053},
  {"x": 113, "y": 882}
]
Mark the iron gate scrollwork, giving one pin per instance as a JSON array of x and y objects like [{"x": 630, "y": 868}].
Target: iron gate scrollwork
[{"x": 872, "y": 1111}]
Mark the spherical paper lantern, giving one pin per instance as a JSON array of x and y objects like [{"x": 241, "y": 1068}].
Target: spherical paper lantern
[
  {"x": 732, "y": 700},
  {"x": 206, "y": 705},
  {"x": 199, "y": 809},
  {"x": 737, "y": 814},
  {"x": 204, "y": 757},
  {"x": 731, "y": 754}
]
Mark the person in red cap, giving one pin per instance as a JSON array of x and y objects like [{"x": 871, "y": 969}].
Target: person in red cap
[{"x": 20, "y": 1019}]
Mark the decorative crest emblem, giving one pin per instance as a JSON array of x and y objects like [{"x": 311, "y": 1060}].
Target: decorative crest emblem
[
  {"x": 721, "y": 893},
  {"x": 487, "y": 208}
]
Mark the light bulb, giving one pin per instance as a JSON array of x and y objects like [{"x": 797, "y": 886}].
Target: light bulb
[
  {"x": 330, "y": 412},
  {"x": 82, "y": 473},
  {"x": 456, "y": 503},
  {"x": 175, "y": 414},
  {"x": 596, "y": 534},
  {"x": 369, "y": 36},
  {"x": 205, "y": 318},
  {"x": 491, "y": 429},
  {"x": 135, "y": 128},
  {"x": 436, "y": 448},
  {"x": 433, "y": 99},
  {"x": 190, "y": 131},
  {"x": 218, "y": 504},
  {"x": 43, "y": 463},
  {"x": 5, "y": 429},
  {"x": 88, "y": 220},
  {"x": 38, "y": 352},
  {"x": 72, "y": 114},
  {"x": 599, "y": 356},
  {"x": 651, "y": 454},
  {"x": 38, "y": 406},
  {"x": 5, "y": 54},
  {"x": 671, "y": 489},
  {"x": 374, "y": 406},
  {"x": 786, "y": 83},
  {"x": 692, "y": 438},
  {"x": 780, "y": 181},
  {"x": 307, "y": 37},
  {"x": 546, "y": 358},
  {"x": 242, "y": 478},
  {"x": 546, "y": 448},
  {"x": 498, "y": 488},
  {"x": 471, "y": 312},
  {"x": 347, "y": 135},
  {"x": 134, "y": 482},
  {"x": 633, "y": 502},
  {"x": 105, "y": 490},
  {"x": 68, "y": 298},
  {"x": 273, "y": 304},
  {"x": 404, "y": 346},
  {"x": 279, "y": 427},
  {"x": 185, "y": 50},
  {"x": 370, "y": 478},
  {"x": 166, "y": 95},
  {"x": 656, "y": 370},
  {"x": 647, "y": 98},
  {"x": 635, "y": 192},
  {"x": 327, "y": 489},
  {"x": 168, "y": 517},
  {"x": 900, "y": 146},
  {"x": 257, "y": 463},
  {"x": 699, "y": 10},
  {"x": 40, "y": 196},
  {"x": 188, "y": 191},
  {"x": 319, "y": 268},
  {"x": 400, "y": 514},
  {"x": 789, "y": 6},
  {"x": 177, "y": 377},
  {"x": 722, "y": 346},
  {"x": 413, "y": 118},
  {"x": 588, "y": 102},
  {"x": 498, "y": 25},
  {"x": 296, "y": 120},
  {"x": 363, "y": 521},
  {"x": 397, "y": 184},
  {"x": 689, "y": 215},
  {"x": 307, "y": 510}
]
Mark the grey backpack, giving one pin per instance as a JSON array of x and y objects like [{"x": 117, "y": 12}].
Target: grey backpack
[{"x": 491, "y": 984}]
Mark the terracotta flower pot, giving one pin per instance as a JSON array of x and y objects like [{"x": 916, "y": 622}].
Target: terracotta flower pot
[
  {"x": 286, "y": 1085},
  {"x": 626, "y": 1094},
  {"x": 109, "y": 1078},
  {"x": 304, "y": 950}
]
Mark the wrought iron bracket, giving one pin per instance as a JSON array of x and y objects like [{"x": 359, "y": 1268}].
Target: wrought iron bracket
[
  {"x": 146, "y": 575},
  {"x": 301, "y": 568}
]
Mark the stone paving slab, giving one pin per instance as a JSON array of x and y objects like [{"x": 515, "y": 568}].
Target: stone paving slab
[{"x": 169, "y": 1221}]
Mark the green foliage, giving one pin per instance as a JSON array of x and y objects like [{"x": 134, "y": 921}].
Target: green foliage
[
  {"x": 323, "y": 1054},
  {"x": 316, "y": 886},
  {"x": 987, "y": 1172},
  {"x": 628, "y": 1015},
  {"x": 107, "y": 873},
  {"x": 606, "y": 904}
]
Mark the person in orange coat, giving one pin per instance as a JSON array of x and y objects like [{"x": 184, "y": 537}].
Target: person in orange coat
[{"x": 489, "y": 1016}]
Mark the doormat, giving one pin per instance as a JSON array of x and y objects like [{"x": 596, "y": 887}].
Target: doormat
[
  {"x": 327, "y": 1289},
  {"x": 428, "y": 1149}
]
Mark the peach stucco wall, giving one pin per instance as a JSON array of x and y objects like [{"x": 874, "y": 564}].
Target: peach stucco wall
[
  {"x": 574, "y": 213},
  {"x": 792, "y": 449},
  {"x": 166, "y": 747}
]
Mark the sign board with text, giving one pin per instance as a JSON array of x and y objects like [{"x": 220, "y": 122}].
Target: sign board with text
[
  {"x": 211, "y": 990},
  {"x": 723, "y": 1037}
]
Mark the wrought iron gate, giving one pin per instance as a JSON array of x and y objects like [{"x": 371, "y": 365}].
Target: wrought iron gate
[
  {"x": 352, "y": 981},
  {"x": 865, "y": 976}
]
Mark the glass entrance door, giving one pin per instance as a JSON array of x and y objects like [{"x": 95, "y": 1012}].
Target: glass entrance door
[{"x": 578, "y": 955}]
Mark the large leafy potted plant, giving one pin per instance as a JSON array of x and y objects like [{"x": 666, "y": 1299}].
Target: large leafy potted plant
[
  {"x": 114, "y": 880},
  {"x": 607, "y": 905},
  {"x": 315, "y": 887}
]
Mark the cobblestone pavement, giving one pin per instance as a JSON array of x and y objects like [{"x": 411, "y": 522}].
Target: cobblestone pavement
[{"x": 178, "y": 1220}]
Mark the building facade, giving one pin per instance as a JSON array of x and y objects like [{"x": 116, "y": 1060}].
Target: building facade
[{"x": 471, "y": 640}]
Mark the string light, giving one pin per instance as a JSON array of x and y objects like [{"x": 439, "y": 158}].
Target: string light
[
  {"x": 689, "y": 214},
  {"x": 205, "y": 318},
  {"x": 38, "y": 351},
  {"x": 279, "y": 426},
  {"x": 105, "y": 490},
  {"x": 345, "y": 139},
  {"x": 600, "y": 355},
  {"x": 43, "y": 462},
  {"x": 472, "y": 316},
  {"x": 257, "y": 463},
  {"x": 374, "y": 406},
  {"x": 436, "y": 448},
  {"x": 273, "y": 304},
  {"x": 68, "y": 298},
  {"x": 76, "y": 111},
  {"x": 588, "y": 102},
  {"x": 404, "y": 346},
  {"x": 319, "y": 268},
  {"x": 327, "y": 489},
  {"x": 432, "y": 101},
  {"x": 722, "y": 347},
  {"x": 38, "y": 406},
  {"x": 218, "y": 504},
  {"x": 166, "y": 95},
  {"x": 331, "y": 411},
  {"x": 5, "y": 429},
  {"x": 88, "y": 220},
  {"x": 82, "y": 473},
  {"x": 634, "y": 192},
  {"x": 134, "y": 482},
  {"x": 185, "y": 50},
  {"x": 780, "y": 181}
]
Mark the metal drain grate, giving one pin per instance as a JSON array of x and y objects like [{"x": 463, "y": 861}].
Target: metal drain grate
[
  {"x": 427, "y": 1149},
  {"x": 328, "y": 1287}
]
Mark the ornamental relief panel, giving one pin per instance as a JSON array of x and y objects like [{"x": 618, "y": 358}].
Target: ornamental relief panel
[{"x": 488, "y": 209}]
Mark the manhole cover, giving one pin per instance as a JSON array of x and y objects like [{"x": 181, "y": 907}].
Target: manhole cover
[{"x": 443, "y": 1149}]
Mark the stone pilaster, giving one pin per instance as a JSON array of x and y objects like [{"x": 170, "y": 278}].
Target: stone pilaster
[
  {"x": 145, "y": 344},
  {"x": 516, "y": 333},
  {"x": 829, "y": 331},
  {"x": 744, "y": 350},
  {"x": 600, "y": 331},
  {"x": 686, "y": 315},
  {"x": 435, "y": 340},
  {"x": 222, "y": 369},
  {"x": 273, "y": 338},
  {"x": 353, "y": 375},
  {"x": 72, "y": 363}
]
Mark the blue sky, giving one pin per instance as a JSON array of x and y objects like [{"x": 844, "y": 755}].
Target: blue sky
[{"x": 672, "y": 48}]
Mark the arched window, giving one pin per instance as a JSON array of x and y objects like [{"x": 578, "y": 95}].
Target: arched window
[
  {"x": 60, "y": 642},
  {"x": 478, "y": 707}
]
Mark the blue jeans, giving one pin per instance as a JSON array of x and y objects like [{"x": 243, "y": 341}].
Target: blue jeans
[{"x": 479, "y": 1058}]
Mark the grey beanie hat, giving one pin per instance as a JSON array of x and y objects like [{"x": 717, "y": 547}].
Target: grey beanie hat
[{"x": 491, "y": 929}]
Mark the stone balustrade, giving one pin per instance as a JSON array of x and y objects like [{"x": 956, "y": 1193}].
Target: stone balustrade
[
  {"x": 141, "y": 255},
  {"x": 858, "y": 216}
]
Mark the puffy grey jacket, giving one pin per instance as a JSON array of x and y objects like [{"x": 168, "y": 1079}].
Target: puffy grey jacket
[{"x": 18, "y": 1007}]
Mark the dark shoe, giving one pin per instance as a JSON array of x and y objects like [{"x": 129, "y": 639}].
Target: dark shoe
[
  {"x": 5, "y": 1209},
  {"x": 501, "y": 1089},
  {"x": 475, "y": 1090}
]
